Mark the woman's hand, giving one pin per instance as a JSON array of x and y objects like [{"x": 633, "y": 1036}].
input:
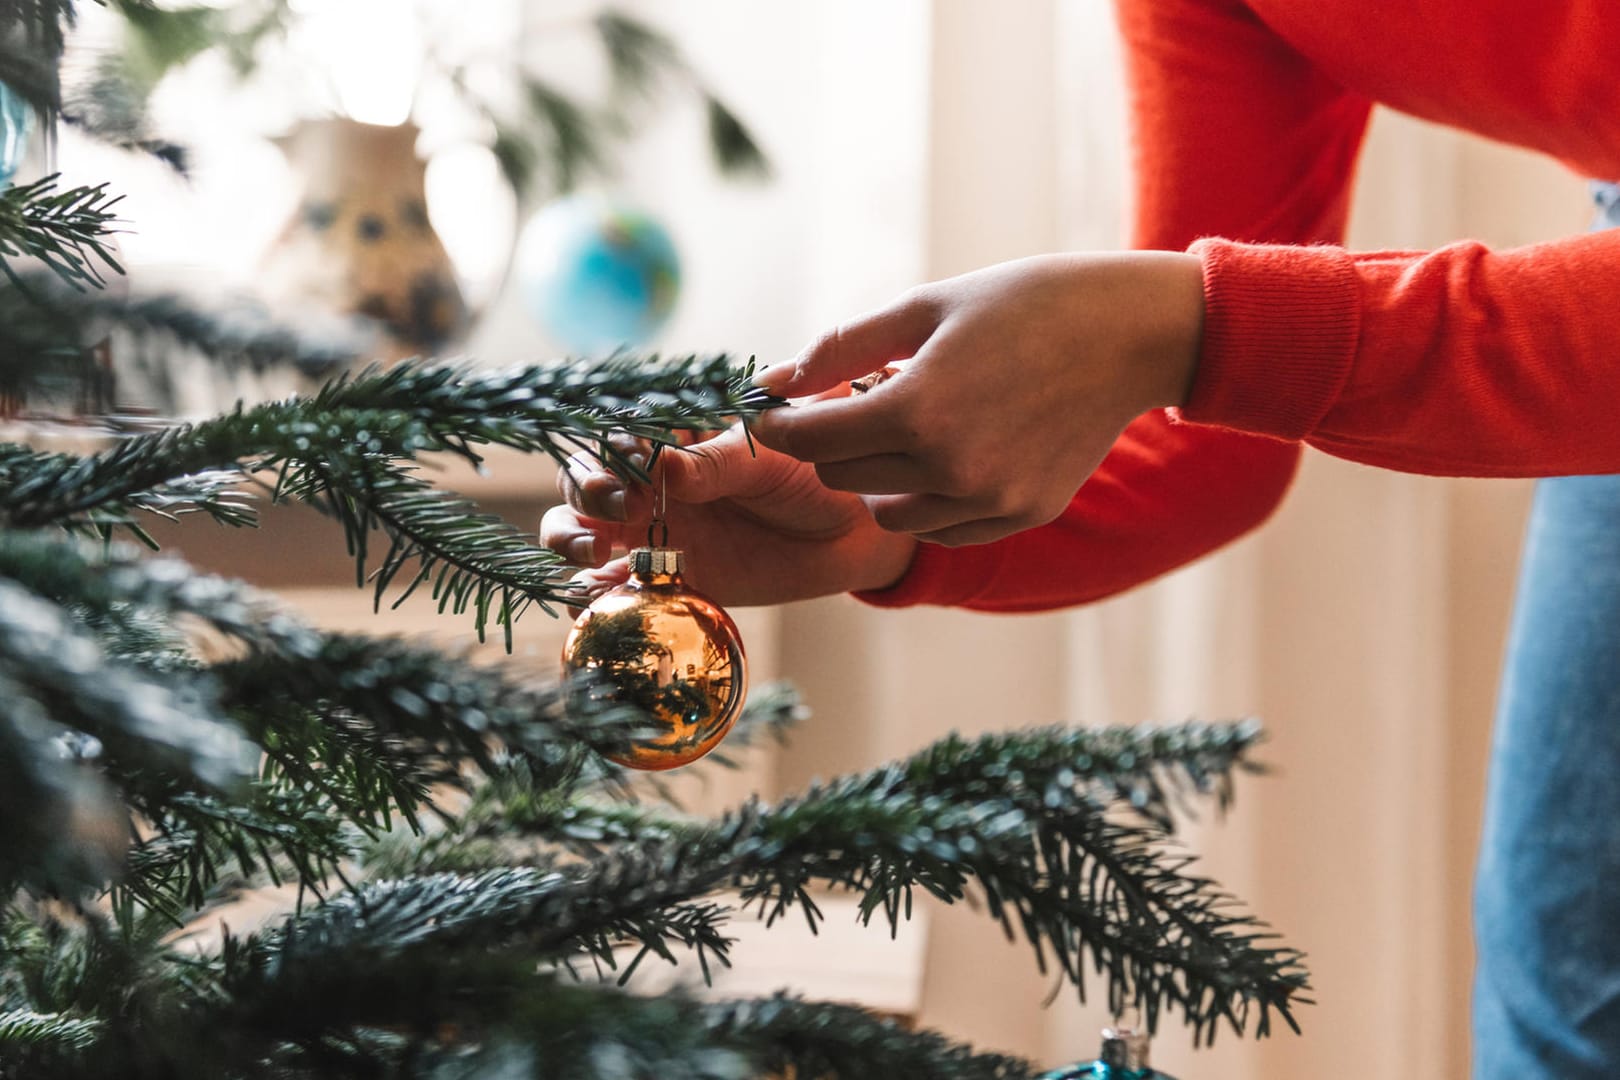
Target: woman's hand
[
  {"x": 756, "y": 529},
  {"x": 1021, "y": 377}
]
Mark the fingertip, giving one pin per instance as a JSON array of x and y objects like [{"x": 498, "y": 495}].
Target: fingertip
[
  {"x": 855, "y": 348},
  {"x": 776, "y": 379},
  {"x": 591, "y": 584},
  {"x": 771, "y": 429}
]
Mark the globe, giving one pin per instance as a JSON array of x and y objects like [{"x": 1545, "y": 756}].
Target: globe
[{"x": 597, "y": 276}]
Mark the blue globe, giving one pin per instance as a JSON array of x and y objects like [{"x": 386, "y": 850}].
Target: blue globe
[{"x": 597, "y": 276}]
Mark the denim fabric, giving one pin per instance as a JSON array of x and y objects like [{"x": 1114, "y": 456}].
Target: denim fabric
[{"x": 1547, "y": 890}]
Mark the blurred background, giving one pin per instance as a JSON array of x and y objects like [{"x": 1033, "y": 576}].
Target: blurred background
[{"x": 907, "y": 141}]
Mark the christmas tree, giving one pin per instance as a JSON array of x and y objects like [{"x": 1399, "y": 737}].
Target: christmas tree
[{"x": 477, "y": 885}]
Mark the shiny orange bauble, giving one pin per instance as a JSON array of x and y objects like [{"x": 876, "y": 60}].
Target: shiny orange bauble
[{"x": 671, "y": 652}]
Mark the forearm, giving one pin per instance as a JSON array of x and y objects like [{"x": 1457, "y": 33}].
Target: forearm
[{"x": 1461, "y": 361}]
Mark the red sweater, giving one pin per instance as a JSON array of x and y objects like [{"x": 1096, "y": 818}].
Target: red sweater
[{"x": 1247, "y": 120}]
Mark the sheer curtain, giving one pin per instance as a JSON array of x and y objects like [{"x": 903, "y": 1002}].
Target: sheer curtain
[{"x": 919, "y": 139}]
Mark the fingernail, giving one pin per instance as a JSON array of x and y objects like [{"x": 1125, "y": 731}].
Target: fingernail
[
  {"x": 615, "y": 506},
  {"x": 582, "y": 550},
  {"x": 775, "y": 378}
]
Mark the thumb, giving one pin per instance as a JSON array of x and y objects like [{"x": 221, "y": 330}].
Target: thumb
[
  {"x": 729, "y": 466},
  {"x": 855, "y": 348},
  {"x": 722, "y": 467}
]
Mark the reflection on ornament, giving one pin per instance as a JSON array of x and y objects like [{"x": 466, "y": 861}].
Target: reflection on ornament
[
  {"x": 16, "y": 123},
  {"x": 669, "y": 651},
  {"x": 597, "y": 277}
]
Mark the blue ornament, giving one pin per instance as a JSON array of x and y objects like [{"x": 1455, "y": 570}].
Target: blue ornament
[
  {"x": 596, "y": 276},
  {"x": 16, "y": 124}
]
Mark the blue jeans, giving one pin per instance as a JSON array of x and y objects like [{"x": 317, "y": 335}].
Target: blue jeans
[{"x": 1547, "y": 890}]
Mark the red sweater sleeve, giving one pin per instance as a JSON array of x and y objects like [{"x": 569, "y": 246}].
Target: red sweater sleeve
[
  {"x": 1461, "y": 361},
  {"x": 1233, "y": 134}
]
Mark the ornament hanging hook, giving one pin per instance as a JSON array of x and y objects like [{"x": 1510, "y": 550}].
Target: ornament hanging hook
[{"x": 658, "y": 526}]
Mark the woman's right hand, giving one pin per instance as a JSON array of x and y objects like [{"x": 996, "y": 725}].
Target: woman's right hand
[{"x": 757, "y": 526}]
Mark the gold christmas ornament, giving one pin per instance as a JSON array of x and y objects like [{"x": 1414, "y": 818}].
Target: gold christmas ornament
[{"x": 670, "y": 651}]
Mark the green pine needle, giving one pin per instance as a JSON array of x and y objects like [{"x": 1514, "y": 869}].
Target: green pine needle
[
  {"x": 820, "y": 1041},
  {"x": 65, "y": 230}
]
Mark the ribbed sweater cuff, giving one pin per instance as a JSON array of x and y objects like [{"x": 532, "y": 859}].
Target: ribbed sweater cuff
[
  {"x": 950, "y": 577},
  {"x": 1280, "y": 332}
]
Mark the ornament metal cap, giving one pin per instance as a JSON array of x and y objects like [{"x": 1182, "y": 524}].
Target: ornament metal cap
[
  {"x": 1125, "y": 1048},
  {"x": 657, "y": 560}
]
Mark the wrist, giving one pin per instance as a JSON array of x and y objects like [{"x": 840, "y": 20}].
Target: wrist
[
  {"x": 1174, "y": 332},
  {"x": 892, "y": 557}
]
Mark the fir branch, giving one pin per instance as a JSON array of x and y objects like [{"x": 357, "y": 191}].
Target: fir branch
[
  {"x": 240, "y": 333},
  {"x": 578, "y": 1032},
  {"x": 402, "y": 691},
  {"x": 24, "y": 1032},
  {"x": 446, "y": 913},
  {"x": 559, "y": 408},
  {"x": 1146, "y": 767},
  {"x": 340, "y": 451},
  {"x": 365, "y": 774},
  {"x": 42, "y": 321},
  {"x": 114, "y": 582},
  {"x": 473, "y": 560},
  {"x": 62, "y": 831},
  {"x": 62, "y": 229},
  {"x": 370, "y": 725},
  {"x": 423, "y": 703},
  {"x": 41, "y": 1046},
  {"x": 41, "y": 344},
  {"x": 196, "y": 840},
  {"x": 1074, "y": 883},
  {"x": 76, "y": 961},
  {"x": 1045, "y": 857},
  {"x": 137, "y": 720},
  {"x": 215, "y": 493},
  {"x": 506, "y": 1021},
  {"x": 818, "y": 1041},
  {"x": 400, "y": 413},
  {"x": 126, "y": 978}
]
